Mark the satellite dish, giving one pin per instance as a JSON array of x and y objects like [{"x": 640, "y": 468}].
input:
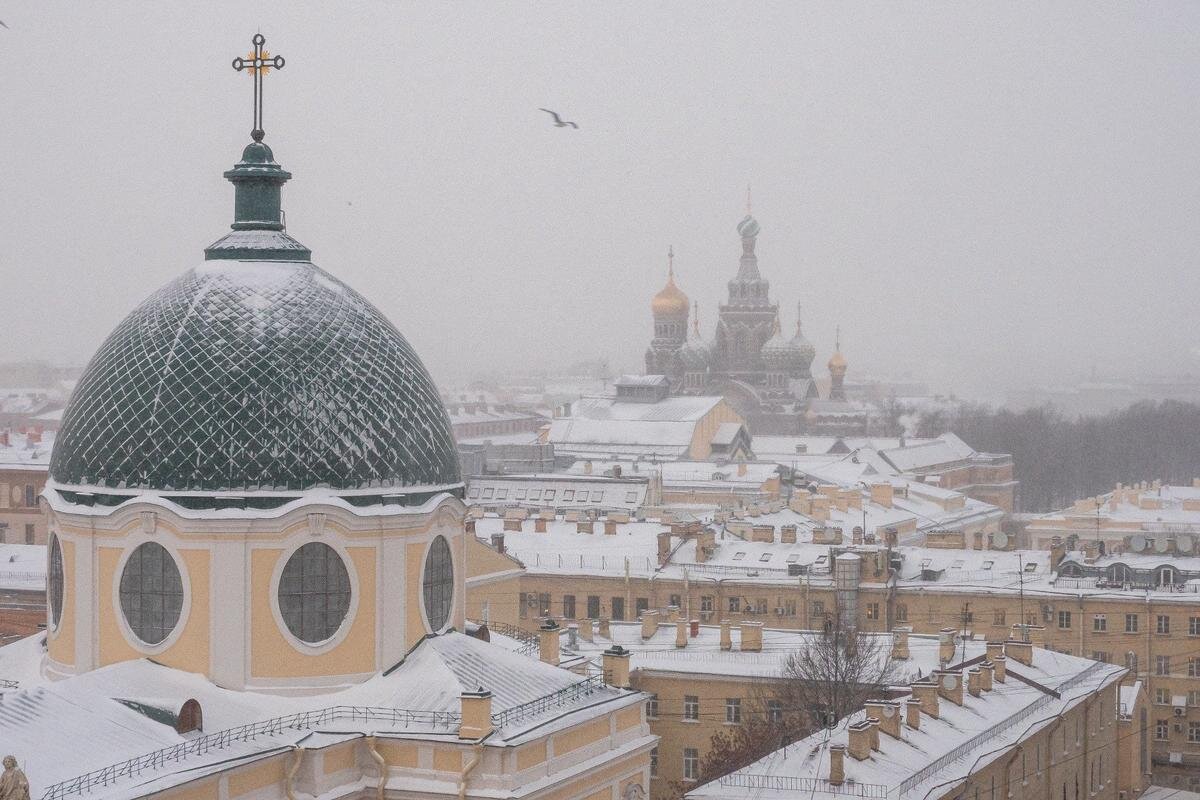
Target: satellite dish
[
  {"x": 1161, "y": 544},
  {"x": 1183, "y": 543},
  {"x": 1137, "y": 543},
  {"x": 999, "y": 540}
]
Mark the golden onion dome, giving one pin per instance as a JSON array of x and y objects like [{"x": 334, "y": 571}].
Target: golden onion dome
[
  {"x": 837, "y": 360},
  {"x": 671, "y": 301}
]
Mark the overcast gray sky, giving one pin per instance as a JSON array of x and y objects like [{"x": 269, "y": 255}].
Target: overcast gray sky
[{"x": 981, "y": 195}]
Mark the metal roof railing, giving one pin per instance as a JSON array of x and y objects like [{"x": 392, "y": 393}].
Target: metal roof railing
[
  {"x": 787, "y": 783},
  {"x": 557, "y": 699}
]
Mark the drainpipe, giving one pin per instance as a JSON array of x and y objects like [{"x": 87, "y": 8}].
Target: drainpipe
[
  {"x": 472, "y": 764},
  {"x": 288, "y": 788},
  {"x": 380, "y": 763}
]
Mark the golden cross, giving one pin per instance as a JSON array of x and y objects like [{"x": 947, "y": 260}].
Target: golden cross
[{"x": 259, "y": 63}]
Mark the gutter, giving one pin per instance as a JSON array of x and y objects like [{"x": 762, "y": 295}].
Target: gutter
[
  {"x": 381, "y": 764},
  {"x": 288, "y": 786},
  {"x": 462, "y": 780}
]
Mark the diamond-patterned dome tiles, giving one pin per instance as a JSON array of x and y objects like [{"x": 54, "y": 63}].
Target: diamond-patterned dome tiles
[{"x": 254, "y": 376}]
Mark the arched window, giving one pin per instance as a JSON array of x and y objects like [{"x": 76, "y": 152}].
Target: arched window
[
  {"x": 437, "y": 584},
  {"x": 1118, "y": 573},
  {"x": 54, "y": 581},
  {"x": 1166, "y": 576},
  {"x": 191, "y": 717},
  {"x": 151, "y": 593},
  {"x": 314, "y": 592}
]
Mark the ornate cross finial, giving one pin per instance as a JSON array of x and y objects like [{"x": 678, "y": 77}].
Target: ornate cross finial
[
  {"x": 799, "y": 319},
  {"x": 837, "y": 339},
  {"x": 671, "y": 261},
  {"x": 259, "y": 63},
  {"x": 748, "y": 204},
  {"x": 696, "y": 318}
]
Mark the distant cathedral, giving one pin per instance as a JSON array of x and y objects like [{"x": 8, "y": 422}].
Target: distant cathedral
[{"x": 766, "y": 375}]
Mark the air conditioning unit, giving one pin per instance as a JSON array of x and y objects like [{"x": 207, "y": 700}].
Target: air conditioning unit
[
  {"x": 1180, "y": 711},
  {"x": 1175, "y": 758},
  {"x": 779, "y": 611}
]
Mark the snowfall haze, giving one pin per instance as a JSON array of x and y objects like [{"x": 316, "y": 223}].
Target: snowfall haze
[{"x": 981, "y": 196}]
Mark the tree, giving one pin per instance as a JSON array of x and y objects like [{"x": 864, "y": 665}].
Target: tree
[{"x": 832, "y": 677}]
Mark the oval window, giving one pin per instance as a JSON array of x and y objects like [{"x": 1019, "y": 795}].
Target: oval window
[
  {"x": 54, "y": 582},
  {"x": 438, "y": 584},
  {"x": 314, "y": 593},
  {"x": 151, "y": 593}
]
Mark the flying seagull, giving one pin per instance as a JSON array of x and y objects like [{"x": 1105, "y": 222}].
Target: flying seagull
[
  {"x": 3, "y": 25},
  {"x": 559, "y": 122}
]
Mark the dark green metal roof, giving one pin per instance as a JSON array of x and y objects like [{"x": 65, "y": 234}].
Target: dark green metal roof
[{"x": 262, "y": 374}]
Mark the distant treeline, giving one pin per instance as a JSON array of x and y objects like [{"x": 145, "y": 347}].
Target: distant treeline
[{"x": 1059, "y": 459}]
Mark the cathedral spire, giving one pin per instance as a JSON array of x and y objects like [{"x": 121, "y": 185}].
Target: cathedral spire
[{"x": 837, "y": 369}]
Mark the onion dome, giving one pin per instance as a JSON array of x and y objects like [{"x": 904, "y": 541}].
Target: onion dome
[
  {"x": 748, "y": 228},
  {"x": 256, "y": 371},
  {"x": 671, "y": 301},
  {"x": 777, "y": 351},
  {"x": 695, "y": 355},
  {"x": 837, "y": 361}
]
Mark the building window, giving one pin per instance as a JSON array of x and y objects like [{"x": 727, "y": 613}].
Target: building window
[
  {"x": 775, "y": 711},
  {"x": 1162, "y": 697},
  {"x": 652, "y": 707},
  {"x": 760, "y": 605},
  {"x": 1064, "y": 619},
  {"x": 706, "y": 604},
  {"x": 618, "y": 608},
  {"x": 1100, "y": 655},
  {"x": 733, "y": 710},
  {"x": 901, "y": 612},
  {"x": 1162, "y": 624},
  {"x": 568, "y": 605},
  {"x": 818, "y": 608},
  {"x": 1193, "y": 626},
  {"x": 676, "y": 600},
  {"x": 438, "y": 584},
  {"x": 1161, "y": 729},
  {"x": 30, "y": 496},
  {"x": 1194, "y": 731},
  {"x": 654, "y": 762},
  {"x": 151, "y": 593},
  {"x": 543, "y": 604},
  {"x": 29, "y": 534},
  {"x": 691, "y": 764},
  {"x": 1131, "y": 623},
  {"x": 640, "y": 605},
  {"x": 998, "y": 618},
  {"x": 1162, "y": 665},
  {"x": 593, "y": 610},
  {"x": 1099, "y": 623},
  {"x": 872, "y": 610},
  {"x": 735, "y": 605},
  {"x": 314, "y": 592},
  {"x": 1166, "y": 576},
  {"x": 55, "y": 584},
  {"x": 691, "y": 706},
  {"x": 1194, "y": 698},
  {"x": 1194, "y": 667}
]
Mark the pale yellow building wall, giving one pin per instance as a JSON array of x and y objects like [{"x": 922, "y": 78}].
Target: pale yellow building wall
[{"x": 60, "y": 645}]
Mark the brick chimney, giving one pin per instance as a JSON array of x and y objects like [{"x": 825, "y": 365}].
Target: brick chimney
[
  {"x": 787, "y": 534},
  {"x": 468, "y": 525},
  {"x": 950, "y": 685},
  {"x": 888, "y": 714},
  {"x": 927, "y": 693},
  {"x": 973, "y": 681},
  {"x": 681, "y": 633},
  {"x": 751, "y": 636},
  {"x": 912, "y": 713},
  {"x": 837, "y": 764},
  {"x": 874, "y": 723},
  {"x": 900, "y": 643},
  {"x": 664, "y": 547},
  {"x": 476, "y": 718},
  {"x": 585, "y": 526},
  {"x": 994, "y": 649},
  {"x": 860, "y": 740},
  {"x": 604, "y": 631},
  {"x": 616, "y": 666},
  {"x": 512, "y": 524},
  {"x": 649, "y": 623},
  {"x": 1000, "y": 668},
  {"x": 693, "y": 628},
  {"x": 726, "y": 635},
  {"x": 985, "y": 676},
  {"x": 585, "y": 630},
  {"x": 946, "y": 648},
  {"x": 762, "y": 533},
  {"x": 548, "y": 642},
  {"x": 1019, "y": 651},
  {"x": 539, "y": 525},
  {"x": 610, "y": 527},
  {"x": 882, "y": 494}
]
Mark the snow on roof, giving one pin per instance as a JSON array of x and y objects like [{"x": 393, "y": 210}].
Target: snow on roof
[
  {"x": 943, "y": 750},
  {"x": 1165, "y": 509},
  {"x": 563, "y": 550},
  {"x": 558, "y": 490},
  {"x": 23, "y": 567},
  {"x": 29, "y": 450},
  {"x": 668, "y": 423},
  {"x": 61, "y": 730},
  {"x": 1165, "y": 793}
]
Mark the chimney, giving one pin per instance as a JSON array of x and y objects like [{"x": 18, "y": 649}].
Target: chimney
[
  {"x": 476, "y": 718},
  {"x": 842, "y": 502},
  {"x": 946, "y": 648},
  {"x": 548, "y": 642},
  {"x": 882, "y": 494},
  {"x": 985, "y": 676},
  {"x": 787, "y": 534},
  {"x": 539, "y": 525},
  {"x": 681, "y": 631},
  {"x": 860, "y": 740},
  {"x": 950, "y": 685},
  {"x": 585, "y": 630},
  {"x": 856, "y": 535},
  {"x": 751, "y": 636},
  {"x": 573, "y": 636},
  {"x": 649, "y": 623},
  {"x": 1000, "y": 668},
  {"x": 694, "y": 628},
  {"x": 927, "y": 693},
  {"x": 994, "y": 649},
  {"x": 820, "y": 509},
  {"x": 587, "y": 468},
  {"x": 610, "y": 527},
  {"x": 498, "y": 543},
  {"x": 604, "y": 628},
  {"x": 616, "y": 666},
  {"x": 585, "y": 526},
  {"x": 664, "y": 547},
  {"x": 888, "y": 714},
  {"x": 974, "y": 681},
  {"x": 1019, "y": 651},
  {"x": 763, "y": 533},
  {"x": 469, "y": 524},
  {"x": 726, "y": 635},
  {"x": 900, "y": 643},
  {"x": 672, "y": 613},
  {"x": 837, "y": 764},
  {"x": 513, "y": 524},
  {"x": 912, "y": 713}
]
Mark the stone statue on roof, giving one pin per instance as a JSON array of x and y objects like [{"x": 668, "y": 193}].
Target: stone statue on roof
[{"x": 13, "y": 783}]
